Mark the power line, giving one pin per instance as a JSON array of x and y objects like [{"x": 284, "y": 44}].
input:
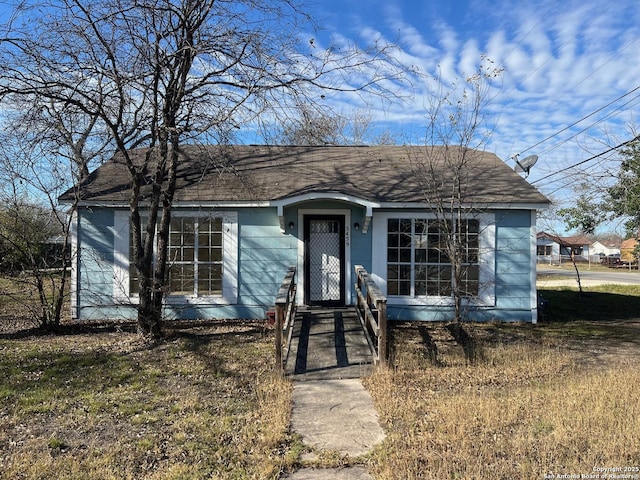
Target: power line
[
  {"x": 590, "y": 125},
  {"x": 623, "y": 144},
  {"x": 599, "y": 14},
  {"x": 582, "y": 119}
]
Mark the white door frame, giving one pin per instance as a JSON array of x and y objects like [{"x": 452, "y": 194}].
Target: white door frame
[{"x": 347, "y": 249}]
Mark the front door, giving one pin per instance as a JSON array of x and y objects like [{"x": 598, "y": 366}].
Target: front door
[{"x": 324, "y": 260}]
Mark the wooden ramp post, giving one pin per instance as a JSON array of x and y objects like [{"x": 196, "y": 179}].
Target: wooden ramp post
[
  {"x": 371, "y": 307},
  {"x": 285, "y": 314}
]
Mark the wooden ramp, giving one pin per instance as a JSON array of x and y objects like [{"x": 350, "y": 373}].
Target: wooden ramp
[{"x": 328, "y": 344}]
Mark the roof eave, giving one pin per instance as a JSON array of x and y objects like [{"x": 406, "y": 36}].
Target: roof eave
[
  {"x": 471, "y": 206},
  {"x": 280, "y": 204}
]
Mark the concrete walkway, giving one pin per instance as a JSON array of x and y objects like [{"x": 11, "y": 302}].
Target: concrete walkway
[{"x": 332, "y": 411}]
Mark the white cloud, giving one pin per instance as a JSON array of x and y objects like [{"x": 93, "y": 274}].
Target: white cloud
[
  {"x": 448, "y": 38},
  {"x": 563, "y": 61},
  {"x": 470, "y": 55}
]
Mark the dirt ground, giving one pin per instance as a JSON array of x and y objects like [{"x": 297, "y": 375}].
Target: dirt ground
[{"x": 598, "y": 344}]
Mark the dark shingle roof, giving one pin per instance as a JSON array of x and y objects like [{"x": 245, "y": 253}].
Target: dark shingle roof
[
  {"x": 572, "y": 241},
  {"x": 377, "y": 174}
]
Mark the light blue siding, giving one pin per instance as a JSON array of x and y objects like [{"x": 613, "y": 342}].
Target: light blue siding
[
  {"x": 361, "y": 246},
  {"x": 206, "y": 312},
  {"x": 513, "y": 266},
  {"x": 438, "y": 314},
  {"x": 96, "y": 259},
  {"x": 265, "y": 252}
]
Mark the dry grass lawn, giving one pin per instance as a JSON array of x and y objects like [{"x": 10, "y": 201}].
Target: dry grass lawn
[
  {"x": 92, "y": 403},
  {"x": 541, "y": 401}
]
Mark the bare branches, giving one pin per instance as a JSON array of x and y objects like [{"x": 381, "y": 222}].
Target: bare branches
[
  {"x": 455, "y": 136},
  {"x": 117, "y": 75}
]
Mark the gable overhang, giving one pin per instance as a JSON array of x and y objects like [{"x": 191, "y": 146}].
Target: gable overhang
[
  {"x": 177, "y": 204},
  {"x": 307, "y": 197}
]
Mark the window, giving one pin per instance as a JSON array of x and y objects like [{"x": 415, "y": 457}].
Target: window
[
  {"x": 417, "y": 259},
  {"x": 195, "y": 256},
  {"x": 202, "y": 257},
  {"x": 544, "y": 250},
  {"x": 134, "y": 285}
]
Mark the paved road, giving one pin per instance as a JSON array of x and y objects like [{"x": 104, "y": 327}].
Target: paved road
[{"x": 591, "y": 276}]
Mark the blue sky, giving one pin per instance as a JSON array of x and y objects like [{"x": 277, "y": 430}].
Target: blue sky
[
  {"x": 570, "y": 72},
  {"x": 570, "y": 87}
]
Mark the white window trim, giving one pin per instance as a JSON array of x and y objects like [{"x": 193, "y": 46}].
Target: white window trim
[
  {"x": 486, "y": 295},
  {"x": 74, "y": 288},
  {"x": 229, "y": 260},
  {"x": 121, "y": 224}
]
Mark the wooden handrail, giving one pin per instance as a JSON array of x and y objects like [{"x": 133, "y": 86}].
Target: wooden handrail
[
  {"x": 285, "y": 313},
  {"x": 371, "y": 308}
]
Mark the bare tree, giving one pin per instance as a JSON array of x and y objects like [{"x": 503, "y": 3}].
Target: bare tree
[
  {"x": 455, "y": 123},
  {"x": 313, "y": 127},
  {"x": 32, "y": 256},
  {"x": 46, "y": 145},
  {"x": 157, "y": 74},
  {"x": 312, "y": 124}
]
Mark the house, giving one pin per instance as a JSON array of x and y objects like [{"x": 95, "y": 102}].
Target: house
[
  {"x": 605, "y": 247},
  {"x": 556, "y": 249},
  {"x": 627, "y": 249},
  {"x": 243, "y": 214}
]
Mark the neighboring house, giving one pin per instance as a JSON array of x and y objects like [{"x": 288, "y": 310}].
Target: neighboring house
[
  {"x": 605, "y": 247},
  {"x": 552, "y": 248},
  {"x": 243, "y": 214},
  {"x": 627, "y": 248},
  {"x": 547, "y": 247}
]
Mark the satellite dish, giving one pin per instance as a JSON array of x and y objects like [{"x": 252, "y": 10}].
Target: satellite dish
[{"x": 525, "y": 164}]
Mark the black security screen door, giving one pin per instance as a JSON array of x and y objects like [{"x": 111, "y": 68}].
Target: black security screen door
[{"x": 324, "y": 260}]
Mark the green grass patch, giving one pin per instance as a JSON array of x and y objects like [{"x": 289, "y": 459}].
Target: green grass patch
[{"x": 597, "y": 303}]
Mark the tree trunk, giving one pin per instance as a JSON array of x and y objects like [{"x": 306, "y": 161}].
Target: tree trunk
[
  {"x": 153, "y": 276},
  {"x": 150, "y": 315},
  {"x": 575, "y": 267},
  {"x": 149, "y": 312}
]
